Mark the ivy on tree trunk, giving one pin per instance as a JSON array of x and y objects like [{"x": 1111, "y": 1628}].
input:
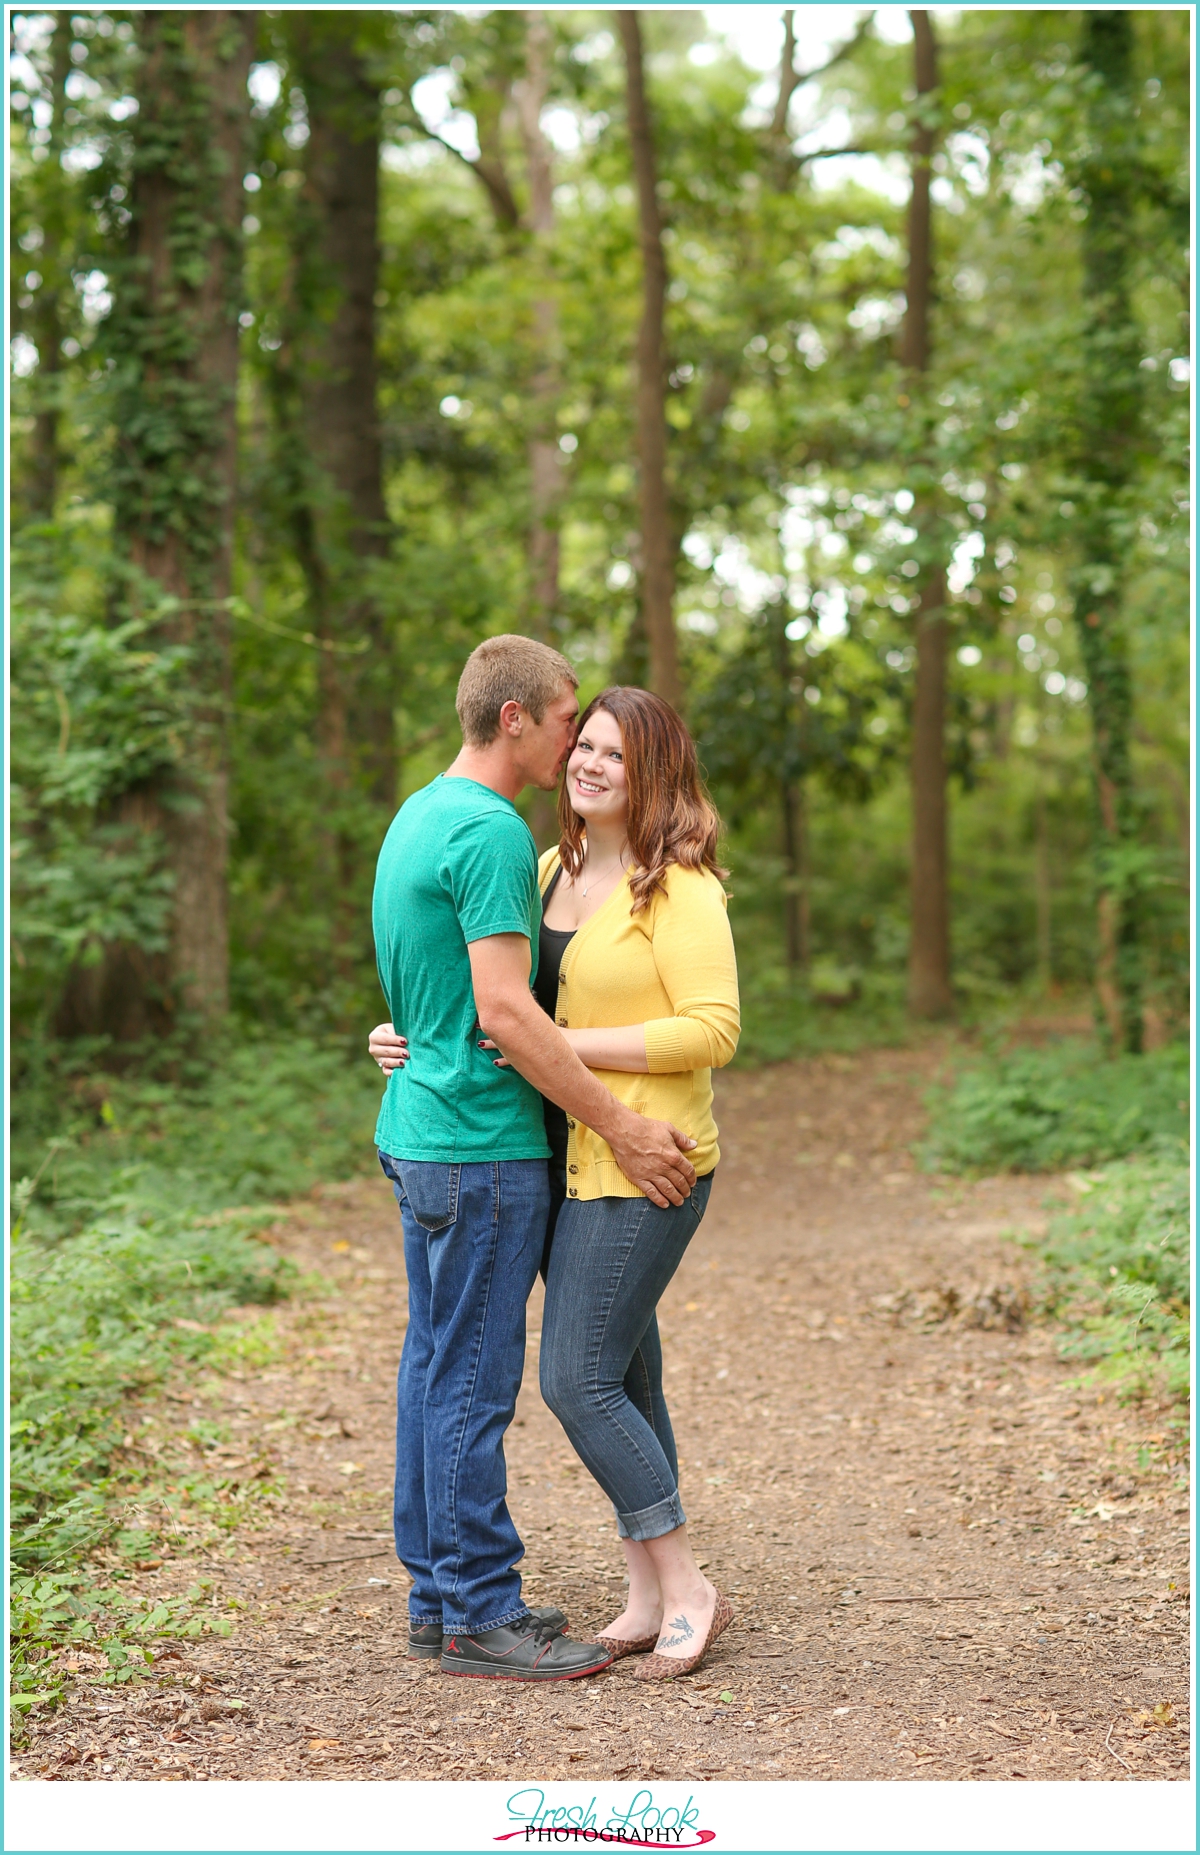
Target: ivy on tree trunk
[{"x": 173, "y": 335}]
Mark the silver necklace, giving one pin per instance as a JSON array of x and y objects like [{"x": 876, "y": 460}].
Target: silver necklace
[{"x": 603, "y": 873}]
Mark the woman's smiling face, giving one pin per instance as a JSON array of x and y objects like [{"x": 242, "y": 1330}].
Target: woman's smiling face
[{"x": 596, "y": 783}]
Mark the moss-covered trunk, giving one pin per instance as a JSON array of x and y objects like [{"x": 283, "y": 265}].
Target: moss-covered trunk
[{"x": 174, "y": 338}]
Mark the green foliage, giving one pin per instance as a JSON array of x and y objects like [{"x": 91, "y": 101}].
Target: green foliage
[
  {"x": 794, "y": 467},
  {"x": 55, "y": 1614},
  {"x": 106, "y": 1313},
  {"x": 832, "y": 1008},
  {"x": 102, "y": 709},
  {"x": 1044, "y": 1109},
  {"x": 135, "y": 1236},
  {"x": 1119, "y": 1273},
  {"x": 267, "y": 1119}
]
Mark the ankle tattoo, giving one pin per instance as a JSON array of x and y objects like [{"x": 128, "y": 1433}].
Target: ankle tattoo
[{"x": 686, "y": 1632}]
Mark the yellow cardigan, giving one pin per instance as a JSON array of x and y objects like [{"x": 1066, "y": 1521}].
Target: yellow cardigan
[{"x": 671, "y": 968}]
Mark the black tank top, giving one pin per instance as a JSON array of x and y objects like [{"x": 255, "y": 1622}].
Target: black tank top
[{"x": 552, "y": 944}]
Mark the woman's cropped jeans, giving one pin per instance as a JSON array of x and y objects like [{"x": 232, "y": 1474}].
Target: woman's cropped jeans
[{"x": 601, "y": 1370}]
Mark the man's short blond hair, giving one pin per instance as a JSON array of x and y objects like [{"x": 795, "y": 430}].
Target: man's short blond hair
[{"x": 508, "y": 669}]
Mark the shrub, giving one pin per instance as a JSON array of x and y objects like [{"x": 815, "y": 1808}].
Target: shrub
[
  {"x": 1042, "y": 1110},
  {"x": 1119, "y": 1269}
]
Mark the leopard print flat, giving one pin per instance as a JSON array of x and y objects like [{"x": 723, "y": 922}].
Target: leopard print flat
[
  {"x": 620, "y": 1646},
  {"x": 666, "y": 1667}
]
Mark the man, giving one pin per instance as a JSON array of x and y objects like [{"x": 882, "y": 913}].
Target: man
[{"x": 456, "y": 913}]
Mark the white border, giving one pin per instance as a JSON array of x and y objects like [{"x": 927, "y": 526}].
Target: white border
[
  {"x": 469, "y": 1816},
  {"x": 361, "y": 1815}
]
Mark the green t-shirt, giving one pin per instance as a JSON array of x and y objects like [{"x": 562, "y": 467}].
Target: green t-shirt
[{"x": 457, "y": 865}]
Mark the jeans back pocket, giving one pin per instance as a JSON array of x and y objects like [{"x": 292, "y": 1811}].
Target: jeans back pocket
[{"x": 431, "y": 1189}]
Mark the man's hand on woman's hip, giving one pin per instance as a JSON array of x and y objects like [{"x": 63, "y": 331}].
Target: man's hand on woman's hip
[
  {"x": 388, "y": 1047},
  {"x": 651, "y": 1154}
]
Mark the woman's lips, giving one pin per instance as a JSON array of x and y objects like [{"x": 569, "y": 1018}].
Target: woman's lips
[{"x": 586, "y": 787}]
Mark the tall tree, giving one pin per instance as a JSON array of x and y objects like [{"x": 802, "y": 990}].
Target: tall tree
[
  {"x": 929, "y": 989},
  {"x": 174, "y": 337},
  {"x": 342, "y": 514},
  {"x": 53, "y": 261},
  {"x": 1109, "y": 432},
  {"x": 658, "y": 539}
]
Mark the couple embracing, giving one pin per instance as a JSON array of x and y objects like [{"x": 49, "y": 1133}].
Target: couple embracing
[{"x": 548, "y": 1107}]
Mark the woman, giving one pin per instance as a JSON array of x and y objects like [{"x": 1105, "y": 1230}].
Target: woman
[{"x": 636, "y": 965}]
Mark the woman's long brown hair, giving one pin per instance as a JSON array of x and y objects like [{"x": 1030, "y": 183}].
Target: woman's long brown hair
[{"x": 671, "y": 817}]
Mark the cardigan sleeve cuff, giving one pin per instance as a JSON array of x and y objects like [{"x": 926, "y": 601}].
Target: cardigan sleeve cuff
[{"x": 669, "y": 1048}]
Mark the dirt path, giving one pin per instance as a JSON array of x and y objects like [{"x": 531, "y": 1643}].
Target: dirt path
[{"x": 945, "y": 1563}]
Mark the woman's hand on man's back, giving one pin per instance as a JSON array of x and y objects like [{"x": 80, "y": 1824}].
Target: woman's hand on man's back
[{"x": 388, "y": 1047}]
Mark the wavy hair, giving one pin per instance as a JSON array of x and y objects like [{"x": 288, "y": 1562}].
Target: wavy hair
[{"x": 671, "y": 817}]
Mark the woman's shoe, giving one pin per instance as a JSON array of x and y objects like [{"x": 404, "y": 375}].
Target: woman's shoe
[
  {"x": 664, "y": 1667},
  {"x": 621, "y": 1646}
]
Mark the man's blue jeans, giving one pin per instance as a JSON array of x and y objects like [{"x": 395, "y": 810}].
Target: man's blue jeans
[{"x": 473, "y": 1238}]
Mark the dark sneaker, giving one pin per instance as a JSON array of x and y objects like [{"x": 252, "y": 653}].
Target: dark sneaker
[
  {"x": 532, "y": 1650},
  {"x": 425, "y": 1639}
]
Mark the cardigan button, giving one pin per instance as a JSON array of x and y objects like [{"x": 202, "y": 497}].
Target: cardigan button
[
  {"x": 572, "y": 1168},
  {"x": 571, "y": 1192},
  {"x": 571, "y": 1125},
  {"x": 563, "y": 1023}
]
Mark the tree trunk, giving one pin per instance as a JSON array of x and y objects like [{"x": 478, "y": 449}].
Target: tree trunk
[
  {"x": 929, "y": 989},
  {"x": 1042, "y": 889},
  {"x": 929, "y": 954},
  {"x": 341, "y": 519},
  {"x": 54, "y": 262},
  {"x": 546, "y": 476},
  {"x": 338, "y": 406},
  {"x": 1109, "y": 423},
  {"x": 658, "y": 544},
  {"x": 795, "y": 851},
  {"x": 174, "y": 327}
]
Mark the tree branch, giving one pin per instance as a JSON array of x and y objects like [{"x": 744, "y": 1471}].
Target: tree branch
[
  {"x": 852, "y": 44},
  {"x": 488, "y": 169},
  {"x": 789, "y": 78},
  {"x": 831, "y": 154}
]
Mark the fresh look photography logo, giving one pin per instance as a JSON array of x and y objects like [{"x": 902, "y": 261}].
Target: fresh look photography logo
[{"x": 642, "y": 1823}]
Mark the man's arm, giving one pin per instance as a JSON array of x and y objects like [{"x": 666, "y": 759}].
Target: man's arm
[{"x": 648, "y": 1152}]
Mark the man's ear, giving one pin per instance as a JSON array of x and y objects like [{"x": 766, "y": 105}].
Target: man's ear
[{"x": 512, "y": 717}]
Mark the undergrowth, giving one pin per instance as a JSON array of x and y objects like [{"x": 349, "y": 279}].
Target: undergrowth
[
  {"x": 1119, "y": 1273},
  {"x": 1041, "y": 1110},
  {"x": 836, "y": 1009},
  {"x": 135, "y": 1264}
]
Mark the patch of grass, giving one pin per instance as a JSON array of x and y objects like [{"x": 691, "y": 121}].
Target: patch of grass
[
  {"x": 136, "y": 1212},
  {"x": 1119, "y": 1273},
  {"x": 104, "y": 1315},
  {"x": 266, "y": 1119},
  {"x": 1041, "y": 1110}
]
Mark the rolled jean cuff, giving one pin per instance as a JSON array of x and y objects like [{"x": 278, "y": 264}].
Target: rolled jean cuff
[
  {"x": 495, "y": 1623},
  {"x": 653, "y": 1522}
]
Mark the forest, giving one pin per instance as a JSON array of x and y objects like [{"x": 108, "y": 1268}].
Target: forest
[{"x": 843, "y": 400}]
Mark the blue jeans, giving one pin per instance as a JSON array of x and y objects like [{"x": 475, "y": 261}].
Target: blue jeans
[
  {"x": 609, "y": 1263},
  {"x": 473, "y": 1237}
]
